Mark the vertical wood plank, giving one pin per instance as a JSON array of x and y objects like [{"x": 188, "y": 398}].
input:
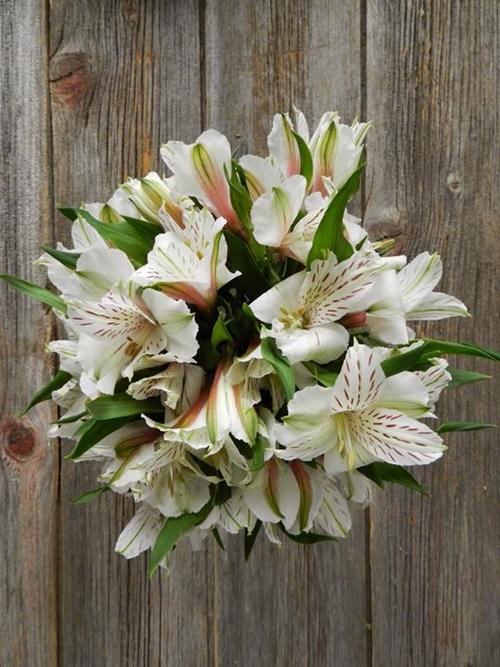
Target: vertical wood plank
[
  {"x": 294, "y": 605},
  {"x": 124, "y": 78},
  {"x": 28, "y": 469},
  {"x": 432, "y": 89}
]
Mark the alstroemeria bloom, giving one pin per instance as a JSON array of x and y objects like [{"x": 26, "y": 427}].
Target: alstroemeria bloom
[
  {"x": 303, "y": 310},
  {"x": 362, "y": 418},
  {"x": 124, "y": 328},
  {"x": 274, "y": 213},
  {"x": 417, "y": 281},
  {"x": 283, "y": 146},
  {"x": 200, "y": 171},
  {"x": 189, "y": 262},
  {"x": 336, "y": 150},
  {"x": 150, "y": 195},
  {"x": 141, "y": 532},
  {"x": 221, "y": 409}
]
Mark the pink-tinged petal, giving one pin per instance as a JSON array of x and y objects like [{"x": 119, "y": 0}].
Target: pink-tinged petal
[
  {"x": 360, "y": 380},
  {"x": 306, "y": 493},
  {"x": 283, "y": 146},
  {"x": 392, "y": 437}
]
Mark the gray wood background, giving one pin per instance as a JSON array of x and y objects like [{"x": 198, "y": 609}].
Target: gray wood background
[{"x": 89, "y": 90}]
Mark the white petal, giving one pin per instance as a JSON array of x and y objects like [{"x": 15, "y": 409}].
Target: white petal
[
  {"x": 418, "y": 278},
  {"x": 177, "y": 321},
  {"x": 329, "y": 289},
  {"x": 140, "y": 533},
  {"x": 261, "y": 175},
  {"x": 435, "y": 379},
  {"x": 395, "y": 438},
  {"x": 406, "y": 393},
  {"x": 437, "y": 306},
  {"x": 360, "y": 380},
  {"x": 321, "y": 344},
  {"x": 274, "y": 212},
  {"x": 283, "y": 145},
  {"x": 283, "y": 295},
  {"x": 333, "y": 517}
]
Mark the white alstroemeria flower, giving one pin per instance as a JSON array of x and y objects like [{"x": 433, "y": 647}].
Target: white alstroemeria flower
[
  {"x": 151, "y": 195},
  {"x": 417, "y": 281},
  {"x": 436, "y": 378},
  {"x": 261, "y": 175},
  {"x": 363, "y": 417},
  {"x": 336, "y": 150},
  {"x": 189, "y": 263},
  {"x": 122, "y": 329},
  {"x": 274, "y": 212},
  {"x": 221, "y": 409},
  {"x": 97, "y": 270},
  {"x": 274, "y": 494},
  {"x": 304, "y": 309},
  {"x": 200, "y": 171},
  {"x": 381, "y": 312},
  {"x": 141, "y": 532},
  {"x": 176, "y": 489},
  {"x": 171, "y": 384},
  {"x": 114, "y": 209},
  {"x": 232, "y": 516},
  {"x": 283, "y": 146}
]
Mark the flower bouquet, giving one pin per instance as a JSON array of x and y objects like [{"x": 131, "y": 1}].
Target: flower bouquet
[{"x": 237, "y": 351}]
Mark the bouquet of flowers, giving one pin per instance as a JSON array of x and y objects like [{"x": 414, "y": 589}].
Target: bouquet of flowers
[{"x": 237, "y": 351}]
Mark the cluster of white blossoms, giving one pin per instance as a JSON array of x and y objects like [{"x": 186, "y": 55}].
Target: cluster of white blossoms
[{"x": 237, "y": 351}]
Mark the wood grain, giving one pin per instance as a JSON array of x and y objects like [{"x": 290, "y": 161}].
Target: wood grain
[
  {"x": 28, "y": 469},
  {"x": 288, "y": 605},
  {"x": 433, "y": 155},
  {"x": 124, "y": 78}
]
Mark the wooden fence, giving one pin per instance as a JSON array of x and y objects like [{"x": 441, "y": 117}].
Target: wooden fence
[{"x": 89, "y": 90}]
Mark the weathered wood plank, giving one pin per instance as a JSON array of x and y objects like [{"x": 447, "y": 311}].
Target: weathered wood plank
[
  {"x": 432, "y": 87},
  {"x": 28, "y": 469},
  {"x": 294, "y": 605},
  {"x": 124, "y": 78}
]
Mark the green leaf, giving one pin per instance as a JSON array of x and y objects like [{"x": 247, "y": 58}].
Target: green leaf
[
  {"x": 448, "y": 427},
  {"x": 381, "y": 472},
  {"x": 69, "y": 213},
  {"x": 172, "y": 531},
  {"x": 218, "y": 538},
  {"x": 281, "y": 365},
  {"x": 125, "y": 236},
  {"x": 58, "y": 381},
  {"x": 434, "y": 348},
  {"x": 241, "y": 258},
  {"x": 220, "y": 333},
  {"x": 306, "y": 162},
  {"x": 330, "y": 232},
  {"x": 72, "y": 418},
  {"x": 121, "y": 405},
  {"x": 35, "y": 292},
  {"x": 69, "y": 259},
  {"x": 258, "y": 450},
  {"x": 240, "y": 199},
  {"x": 323, "y": 375},
  {"x": 307, "y": 538},
  {"x": 469, "y": 349},
  {"x": 250, "y": 539},
  {"x": 147, "y": 230},
  {"x": 88, "y": 496},
  {"x": 460, "y": 377},
  {"x": 93, "y": 431}
]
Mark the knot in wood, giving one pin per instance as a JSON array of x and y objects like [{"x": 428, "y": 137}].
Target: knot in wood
[
  {"x": 18, "y": 439},
  {"x": 69, "y": 75},
  {"x": 454, "y": 183}
]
